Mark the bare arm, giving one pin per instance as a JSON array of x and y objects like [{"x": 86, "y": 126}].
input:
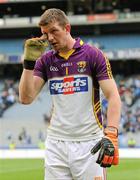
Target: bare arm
[
  {"x": 29, "y": 86},
  {"x": 110, "y": 91}
]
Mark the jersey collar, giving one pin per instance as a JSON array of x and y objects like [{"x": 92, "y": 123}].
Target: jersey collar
[{"x": 78, "y": 43}]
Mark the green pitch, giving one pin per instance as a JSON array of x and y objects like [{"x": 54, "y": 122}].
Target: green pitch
[
  {"x": 128, "y": 169},
  {"x": 21, "y": 169},
  {"x": 32, "y": 169}
]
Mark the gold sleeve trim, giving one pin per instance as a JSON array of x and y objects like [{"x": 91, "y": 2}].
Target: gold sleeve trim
[{"x": 96, "y": 109}]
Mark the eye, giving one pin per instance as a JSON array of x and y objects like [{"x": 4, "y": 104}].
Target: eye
[{"x": 53, "y": 31}]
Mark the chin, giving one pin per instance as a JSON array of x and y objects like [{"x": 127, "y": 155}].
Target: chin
[{"x": 57, "y": 49}]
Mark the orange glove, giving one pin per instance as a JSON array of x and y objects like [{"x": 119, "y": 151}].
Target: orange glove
[{"x": 108, "y": 145}]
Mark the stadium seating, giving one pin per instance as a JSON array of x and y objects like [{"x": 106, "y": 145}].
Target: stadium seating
[{"x": 29, "y": 119}]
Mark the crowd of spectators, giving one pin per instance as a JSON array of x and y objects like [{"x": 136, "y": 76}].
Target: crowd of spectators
[
  {"x": 129, "y": 90},
  {"x": 8, "y": 94}
]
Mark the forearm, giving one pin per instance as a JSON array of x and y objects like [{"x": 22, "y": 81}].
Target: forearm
[
  {"x": 114, "y": 110},
  {"x": 26, "y": 87},
  {"x": 31, "y": 85}
]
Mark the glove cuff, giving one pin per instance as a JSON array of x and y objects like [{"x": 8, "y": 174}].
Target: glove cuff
[
  {"x": 27, "y": 64},
  {"x": 110, "y": 130}
]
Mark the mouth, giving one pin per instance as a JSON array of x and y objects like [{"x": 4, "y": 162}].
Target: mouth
[{"x": 54, "y": 45}]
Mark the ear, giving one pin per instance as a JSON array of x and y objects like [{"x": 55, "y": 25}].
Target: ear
[{"x": 68, "y": 28}]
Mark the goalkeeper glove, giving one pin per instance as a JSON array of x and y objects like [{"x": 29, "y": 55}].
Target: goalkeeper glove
[
  {"x": 33, "y": 49},
  {"x": 108, "y": 145}
]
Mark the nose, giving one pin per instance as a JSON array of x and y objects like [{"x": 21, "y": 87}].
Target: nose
[{"x": 50, "y": 37}]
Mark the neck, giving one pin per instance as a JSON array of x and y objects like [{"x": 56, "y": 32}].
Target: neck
[{"x": 70, "y": 44}]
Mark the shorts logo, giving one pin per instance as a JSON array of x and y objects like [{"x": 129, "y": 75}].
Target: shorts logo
[
  {"x": 69, "y": 85},
  {"x": 81, "y": 66}
]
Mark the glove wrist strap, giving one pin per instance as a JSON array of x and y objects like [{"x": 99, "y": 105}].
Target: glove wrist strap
[
  {"x": 111, "y": 130},
  {"x": 27, "y": 64}
]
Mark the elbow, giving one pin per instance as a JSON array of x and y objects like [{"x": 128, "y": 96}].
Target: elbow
[{"x": 25, "y": 101}]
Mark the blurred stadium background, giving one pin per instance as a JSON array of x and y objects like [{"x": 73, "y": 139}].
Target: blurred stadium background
[{"x": 111, "y": 25}]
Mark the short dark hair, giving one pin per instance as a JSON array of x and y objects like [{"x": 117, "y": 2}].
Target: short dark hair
[{"x": 53, "y": 15}]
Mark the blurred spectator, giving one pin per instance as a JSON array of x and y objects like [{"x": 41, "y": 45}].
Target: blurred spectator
[
  {"x": 80, "y": 7},
  {"x": 8, "y": 95},
  {"x": 22, "y": 135},
  {"x": 131, "y": 142},
  {"x": 12, "y": 145},
  {"x": 41, "y": 145},
  {"x": 41, "y": 136},
  {"x": 9, "y": 136}
]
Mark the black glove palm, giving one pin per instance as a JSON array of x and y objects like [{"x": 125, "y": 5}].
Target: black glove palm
[{"x": 106, "y": 153}]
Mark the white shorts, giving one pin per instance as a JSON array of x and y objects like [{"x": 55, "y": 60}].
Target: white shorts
[{"x": 68, "y": 160}]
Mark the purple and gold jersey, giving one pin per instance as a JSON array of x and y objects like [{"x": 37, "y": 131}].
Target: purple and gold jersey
[{"x": 73, "y": 81}]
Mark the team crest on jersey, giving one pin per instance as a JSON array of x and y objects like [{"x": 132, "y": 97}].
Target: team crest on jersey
[
  {"x": 69, "y": 85},
  {"x": 81, "y": 66}
]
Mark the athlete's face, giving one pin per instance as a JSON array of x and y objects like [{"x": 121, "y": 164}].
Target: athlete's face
[{"x": 56, "y": 35}]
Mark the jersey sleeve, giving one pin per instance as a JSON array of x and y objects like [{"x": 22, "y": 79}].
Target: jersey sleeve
[
  {"x": 40, "y": 68},
  {"x": 101, "y": 65}
]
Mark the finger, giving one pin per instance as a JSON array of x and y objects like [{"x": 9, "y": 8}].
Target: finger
[
  {"x": 115, "y": 160},
  {"x": 110, "y": 160},
  {"x": 36, "y": 42},
  {"x": 43, "y": 37},
  {"x": 101, "y": 156},
  {"x": 96, "y": 148},
  {"x": 105, "y": 165},
  {"x": 43, "y": 42},
  {"x": 32, "y": 42},
  {"x": 116, "y": 157},
  {"x": 105, "y": 159}
]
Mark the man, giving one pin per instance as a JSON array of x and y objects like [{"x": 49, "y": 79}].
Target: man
[{"x": 75, "y": 72}]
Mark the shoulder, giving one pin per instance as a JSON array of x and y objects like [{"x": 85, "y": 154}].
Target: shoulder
[
  {"x": 47, "y": 56},
  {"x": 92, "y": 50},
  {"x": 49, "y": 53}
]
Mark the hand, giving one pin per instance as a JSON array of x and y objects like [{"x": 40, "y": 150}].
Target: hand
[
  {"x": 108, "y": 145},
  {"x": 34, "y": 48}
]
